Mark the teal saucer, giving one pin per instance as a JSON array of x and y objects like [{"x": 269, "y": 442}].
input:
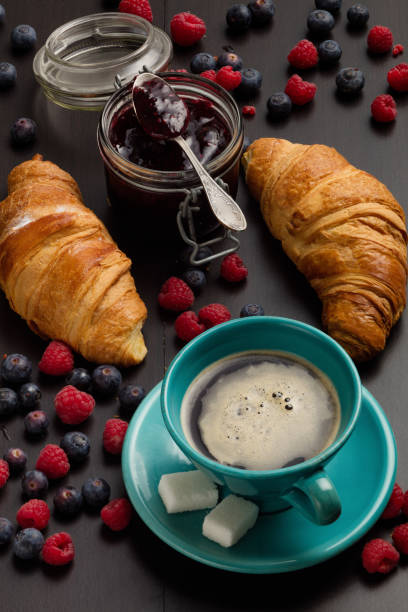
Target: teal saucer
[{"x": 363, "y": 472}]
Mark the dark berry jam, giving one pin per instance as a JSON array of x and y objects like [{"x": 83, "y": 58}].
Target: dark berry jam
[{"x": 206, "y": 133}]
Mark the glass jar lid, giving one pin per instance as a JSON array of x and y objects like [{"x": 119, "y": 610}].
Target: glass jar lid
[{"x": 84, "y": 61}]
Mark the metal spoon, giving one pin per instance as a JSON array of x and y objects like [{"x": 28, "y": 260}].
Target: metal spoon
[{"x": 223, "y": 206}]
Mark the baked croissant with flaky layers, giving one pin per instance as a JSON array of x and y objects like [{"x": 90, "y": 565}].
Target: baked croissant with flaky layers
[
  {"x": 61, "y": 270},
  {"x": 344, "y": 231}
]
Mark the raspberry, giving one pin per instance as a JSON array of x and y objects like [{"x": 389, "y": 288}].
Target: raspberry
[
  {"x": 397, "y": 50},
  {"x": 300, "y": 91},
  {"x": 57, "y": 359},
  {"x": 379, "y": 39},
  {"x": 117, "y": 514},
  {"x": 233, "y": 268},
  {"x": 136, "y": 7},
  {"x": 176, "y": 295},
  {"x": 405, "y": 504},
  {"x": 187, "y": 29},
  {"x": 384, "y": 109},
  {"x": 181, "y": 70},
  {"x": 209, "y": 74},
  {"x": 400, "y": 538},
  {"x": 395, "y": 503},
  {"x": 73, "y": 406},
  {"x": 4, "y": 472},
  {"x": 213, "y": 314},
  {"x": 34, "y": 513},
  {"x": 228, "y": 78},
  {"x": 397, "y": 77},
  {"x": 113, "y": 435},
  {"x": 379, "y": 556},
  {"x": 248, "y": 111},
  {"x": 58, "y": 549},
  {"x": 53, "y": 461},
  {"x": 303, "y": 55},
  {"x": 188, "y": 326}
]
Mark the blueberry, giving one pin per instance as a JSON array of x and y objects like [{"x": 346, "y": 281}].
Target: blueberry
[
  {"x": 251, "y": 310},
  {"x": 76, "y": 445},
  {"x": 246, "y": 144},
  {"x": 239, "y": 17},
  {"x": 79, "y": 378},
  {"x": 6, "y": 531},
  {"x": 279, "y": 106},
  {"x": 29, "y": 395},
  {"x": 28, "y": 543},
  {"x": 320, "y": 22},
  {"x": 106, "y": 380},
  {"x": 195, "y": 279},
  {"x": 2, "y": 14},
  {"x": 34, "y": 484},
  {"x": 16, "y": 459},
  {"x": 96, "y": 492},
  {"x": 202, "y": 61},
  {"x": 358, "y": 15},
  {"x": 329, "y": 52},
  {"x": 229, "y": 58},
  {"x": 8, "y": 402},
  {"x": 202, "y": 253},
  {"x": 36, "y": 423},
  {"x": 262, "y": 11},
  {"x": 23, "y": 131},
  {"x": 130, "y": 397},
  {"x": 251, "y": 82},
  {"x": 23, "y": 37},
  {"x": 68, "y": 500},
  {"x": 8, "y": 75},
  {"x": 333, "y": 6},
  {"x": 16, "y": 369},
  {"x": 350, "y": 81}
]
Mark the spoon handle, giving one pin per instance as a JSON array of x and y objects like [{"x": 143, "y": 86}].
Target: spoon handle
[{"x": 223, "y": 206}]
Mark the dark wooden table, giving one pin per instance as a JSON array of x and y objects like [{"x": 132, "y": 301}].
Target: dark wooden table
[{"x": 135, "y": 570}]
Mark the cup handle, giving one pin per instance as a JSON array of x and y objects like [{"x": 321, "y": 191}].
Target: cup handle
[{"x": 316, "y": 498}]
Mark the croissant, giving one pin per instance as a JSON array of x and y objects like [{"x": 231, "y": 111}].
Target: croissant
[
  {"x": 343, "y": 230},
  {"x": 62, "y": 272}
]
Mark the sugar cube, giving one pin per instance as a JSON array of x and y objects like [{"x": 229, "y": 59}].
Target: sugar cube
[
  {"x": 230, "y": 520},
  {"x": 182, "y": 491}
]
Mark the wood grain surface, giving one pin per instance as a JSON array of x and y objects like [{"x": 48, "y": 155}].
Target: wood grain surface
[{"x": 135, "y": 570}]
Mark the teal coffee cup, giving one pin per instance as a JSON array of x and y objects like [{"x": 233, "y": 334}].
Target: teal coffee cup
[{"x": 304, "y": 486}]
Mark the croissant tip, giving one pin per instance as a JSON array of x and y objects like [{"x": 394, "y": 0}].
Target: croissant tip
[{"x": 38, "y": 157}]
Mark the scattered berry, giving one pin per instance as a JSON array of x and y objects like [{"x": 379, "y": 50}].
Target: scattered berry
[
  {"x": 76, "y": 445},
  {"x": 400, "y": 538},
  {"x": 201, "y": 62},
  {"x": 384, "y": 108},
  {"x": 106, "y": 380},
  {"x": 233, "y": 269},
  {"x": 329, "y": 52},
  {"x": 58, "y": 549},
  {"x": 209, "y": 74},
  {"x": 246, "y": 144},
  {"x": 228, "y": 78},
  {"x": 96, "y": 492},
  {"x": 248, "y": 111},
  {"x": 358, "y": 15},
  {"x": 333, "y": 6},
  {"x": 16, "y": 369},
  {"x": 262, "y": 11},
  {"x": 6, "y": 531},
  {"x": 34, "y": 513},
  {"x": 395, "y": 503},
  {"x": 136, "y": 7},
  {"x": 300, "y": 91},
  {"x": 53, "y": 461},
  {"x": 202, "y": 254},
  {"x": 4, "y": 473},
  {"x": 117, "y": 514},
  {"x": 303, "y": 55},
  {"x": 350, "y": 81},
  {"x": 397, "y": 77},
  {"x": 79, "y": 378},
  {"x": 195, "y": 279},
  {"x": 181, "y": 70},
  {"x": 8, "y": 402},
  {"x": 239, "y": 17},
  {"x": 68, "y": 500},
  {"x": 114, "y": 435},
  {"x": 405, "y": 504},
  {"x": 8, "y": 75},
  {"x": 23, "y": 37},
  {"x": 57, "y": 359},
  {"x": 175, "y": 295},
  {"x": 23, "y": 131},
  {"x": 28, "y": 543},
  {"x": 188, "y": 326},
  {"x": 251, "y": 82},
  {"x": 187, "y": 29},
  {"x": 130, "y": 397},
  {"x": 213, "y": 314},
  {"x": 279, "y": 106},
  {"x": 320, "y": 22},
  {"x": 229, "y": 58},
  {"x": 34, "y": 484},
  {"x": 397, "y": 50},
  {"x": 36, "y": 423},
  {"x": 252, "y": 310},
  {"x": 16, "y": 459},
  {"x": 379, "y": 556},
  {"x": 73, "y": 406},
  {"x": 379, "y": 39},
  {"x": 29, "y": 396}
]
